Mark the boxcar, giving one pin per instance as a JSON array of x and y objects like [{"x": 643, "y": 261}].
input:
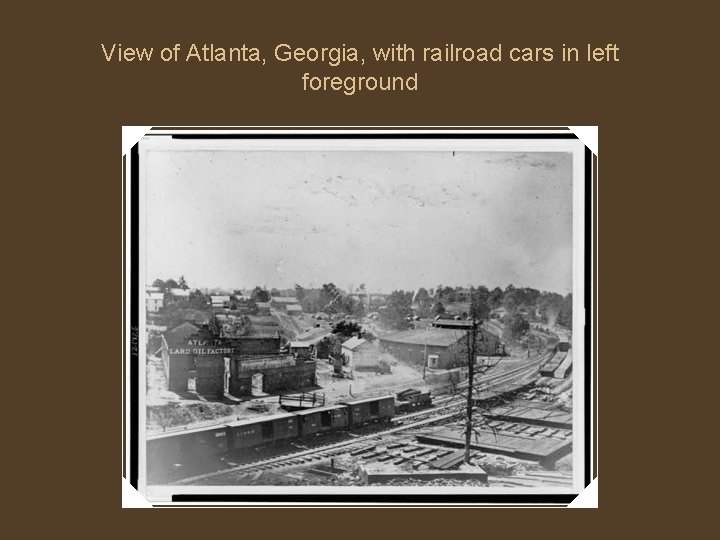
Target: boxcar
[
  {"x": 186, "y": 446},
  {"x": 261, "y": 430},
  {"x": 322, "y": 419},
  {"x": 374, "y": 409}
]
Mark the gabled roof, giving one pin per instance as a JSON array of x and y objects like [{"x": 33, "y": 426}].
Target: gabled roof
[
  {"x": 313, "y": 336},
  {"x": 452, "y": 323},
  {"x": 437, "y": 337},
  {"x": 180, "y": 292},
  {"x": 353, "y": 343},
  {"x": 294, "y": 307},
  {"x": 155, "y": 296},
  {"x": 284, "y": 299},
  {"x": 181, "y": 332}
]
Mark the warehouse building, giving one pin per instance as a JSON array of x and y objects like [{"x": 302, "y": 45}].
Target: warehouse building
[
  {"x": 445, "y": 345},
  {"x": 414, "y": 346}
]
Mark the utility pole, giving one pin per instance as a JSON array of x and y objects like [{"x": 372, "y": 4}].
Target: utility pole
[{"x": 471, "y": 343}]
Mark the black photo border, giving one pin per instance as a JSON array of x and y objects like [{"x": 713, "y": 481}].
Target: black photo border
[{"x": 348, "y": 499}]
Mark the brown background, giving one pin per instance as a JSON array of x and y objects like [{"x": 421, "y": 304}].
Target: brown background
[{"x": 62, "y": 216}]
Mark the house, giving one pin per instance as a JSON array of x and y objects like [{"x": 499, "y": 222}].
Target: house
[
  {"x": 462, "y": 295},
  {"x": 278, "y": 301},
  {"x": 289, "y": 304},
  {"x": 361, "y": 355},
  {"x": 302, "y": 349},
  {"x": 220, "y": 301},
  {"x": 180, "y": 294},
  {"x": 154, "y": 301}
]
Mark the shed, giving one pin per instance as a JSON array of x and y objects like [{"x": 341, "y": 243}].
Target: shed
[{"x": 361, "y": 355}]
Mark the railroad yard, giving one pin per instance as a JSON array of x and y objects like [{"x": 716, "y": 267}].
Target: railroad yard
[{"x": 522, "y": 433}]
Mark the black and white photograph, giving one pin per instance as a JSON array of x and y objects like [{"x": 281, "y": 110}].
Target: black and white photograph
[{"x": 337, "y": 316}]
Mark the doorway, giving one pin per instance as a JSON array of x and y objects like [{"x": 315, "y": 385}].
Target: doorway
[{"x": 257, "y": 385}]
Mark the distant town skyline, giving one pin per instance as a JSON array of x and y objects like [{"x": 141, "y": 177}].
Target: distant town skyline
[{"x": 391, "y": 220}]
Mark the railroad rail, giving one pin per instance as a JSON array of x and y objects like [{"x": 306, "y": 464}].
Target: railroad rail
[{"x": 452, "y": 405}]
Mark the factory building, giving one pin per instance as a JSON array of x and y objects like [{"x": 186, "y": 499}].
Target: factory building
[
  {"x": 194, "y": 356},
  {"x": 210, "y": 363}
]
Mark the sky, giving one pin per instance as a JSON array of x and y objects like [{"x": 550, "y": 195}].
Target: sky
[{"x": 390, "y": 220}]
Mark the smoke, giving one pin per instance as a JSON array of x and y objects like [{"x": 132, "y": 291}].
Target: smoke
[{"x": 552, "y": 315}]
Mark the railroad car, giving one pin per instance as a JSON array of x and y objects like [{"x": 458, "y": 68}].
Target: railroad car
[
  {"x": 367, "y": 410},
  {"x": 257, "y": 431},
  {"x": 411, "y": 400},
  {"x": 187, "y": 446},
  {"x": 322, "y": 419}
]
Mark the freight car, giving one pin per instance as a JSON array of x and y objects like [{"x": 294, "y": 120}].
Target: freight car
[
  {"x": 322, "y": 419},
  {"x": 412, "y": 400},
  {"x": 257, "y": 431},
  {"x": 186, "y": 446},
  {"x": 375, "y": 409},
  {"x": 192, "y": 446}
]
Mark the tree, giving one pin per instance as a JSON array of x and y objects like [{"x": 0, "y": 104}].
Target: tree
[
  {"x": 171, "y": 284},
  {"x": 252, "y": 307},
  {"x": 274, "y": 292},
  {"x": 159, "y": 283},
  {"x": 182, "y": 284},
  {"x": 346, "y": 329},
  {"x": 350, "y": 306},
  {"x": 330, "y": 298},
  {"x": 398, "y": 310},
  {"x": 479, "y": 308},
  {"x": 515, "y": 327},
  {"x": 197, "y": 300},
  {"x": 438, "y": 309},
  {"x": 423, "y": 302},
  {"x": 510, "y": 299},
  {"x": 299, "y": 293},
  {"x": 448, "y": 294},
  {"x": 496, "y": 298},
  {"x": 260, "y": 295},
  {"x": 565, "y": 313}
]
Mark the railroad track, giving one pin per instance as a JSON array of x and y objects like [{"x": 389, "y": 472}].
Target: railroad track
[{"x": 451, "y": 406}]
